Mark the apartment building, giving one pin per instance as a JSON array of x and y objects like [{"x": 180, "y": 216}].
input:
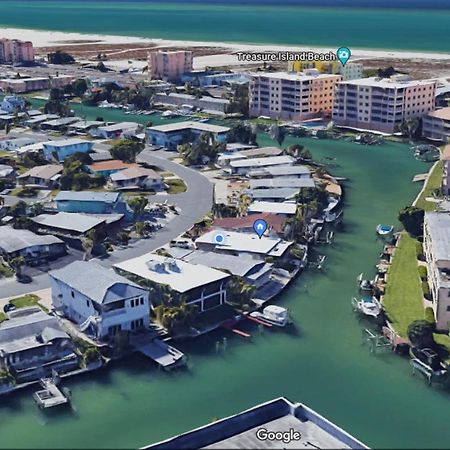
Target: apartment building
[
  {"x": 169, "y": 65},
  {"x": 14, "y": 51},
  {"x": 382, "y": 104},
  {"x": 292, "y": 96},
  {"x": 436, "y": 125},
  {"x": 351, "y": 71},
  {"x": 436, "y": 243}
]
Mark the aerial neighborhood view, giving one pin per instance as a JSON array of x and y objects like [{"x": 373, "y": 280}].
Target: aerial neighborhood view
[{"x": 224, "y": 224}]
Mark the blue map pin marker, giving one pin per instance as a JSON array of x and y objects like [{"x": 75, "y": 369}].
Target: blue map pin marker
[
  {"x": 343, "y": 54},
  {"x": 260, "y": 226}
]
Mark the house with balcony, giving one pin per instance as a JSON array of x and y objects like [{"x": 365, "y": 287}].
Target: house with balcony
[
  {"x": 101, "y": 302},
  {"x": 436, "y": 125},
  {"x": 32, "y": 345},
  {"x": 194, "y": 284},
  {"x": 62, "y": 149}
]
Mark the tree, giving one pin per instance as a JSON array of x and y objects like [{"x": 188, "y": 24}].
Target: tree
[
  {"x": 410, "y": 127},
  {"x": 239, "y": 101},
  {"x": 420, "y": 333},
  {"x": 56, "y": 103},
  {"x": 240, "y": 293},
  {"x": 78, "y": 87},
  {"x": 242, "y": 133},
  {"x": 88, "y": 243},
  {"x": 412, "y": 219},
  {"x": 277, "y": 133},
  {"x": 243, "y": 204},
  {"x": 138, "y": 204},
  {"x": 140, "y": 228},
  {"x": 19, "y": 209},
  {"x": 60, "y": 57},
  {"x": 17, "y": 264},
  {"x": 126, "y": 150}
]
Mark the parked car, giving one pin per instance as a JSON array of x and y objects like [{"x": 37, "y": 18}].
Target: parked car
[{"x": 8, "y": 307}]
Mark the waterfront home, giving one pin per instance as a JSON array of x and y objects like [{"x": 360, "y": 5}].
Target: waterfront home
[
  {"x": 101, "y": 302},
  {"x": 15, "y": 143},
  {"x": 33, "y": 345},
  {"x": 436, "y": 244},
  {"x": 169, "y": 65},
  {"x": 275, "y": 223},
  {"x": 289, "y": 171},
  {"x": 253, "y": 271},
  {"x": 174, "y": 134},
  {"x": 70, "y": 225},
  {"x": 436, "y": 125},
  {"x": 244, "y": 166},
  {"x": 32, "y": 247},
  {"x": 137, "y": 177},
  {"x": 37, "y": 120},
  {"x": 445, "y": 158},
  {"x": 12, "y": 104},
  {"x": 60, "y": 150},
  {"x": 382, "y": 104},
  {"x": 278, "y": 423},
  {"x": 60, "y": 124},
  {"x": 21, "y": 85},
  {"x": 272, "y": 194},
  {"x": 91, "y": 202},
  {"x": 290, "y": 95},
  {"x": 233, "y": 155},
  {"x": 194, "y": 284},
  {"x": 41, "y": 177},
  {"x": 84, "y": 126},
  {"x": 285, "y": 209},
  {"x": 236, "y": 243},
  {"x": 115, "y": 130},
  {"x": 281, "y": 182},
  {"x": 207, "y": 104},
  {"x": 108, "y": 167}
]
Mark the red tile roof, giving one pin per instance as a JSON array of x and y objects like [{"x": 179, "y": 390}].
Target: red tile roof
[{"x": 273, "y": 220}]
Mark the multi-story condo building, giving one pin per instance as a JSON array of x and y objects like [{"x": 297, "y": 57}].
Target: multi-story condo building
[
  {"x": 169, "y": 65},
  {"x": 445, "y": 158},
  {"x": 382, "y": 104},
  {"x": 15, "y": 51},
  {"x": 350, "y": 71},
  {"x": 436, "y": 125},
  {"x": 436, "y": 242},
  {"x": 292, "y": 96}
]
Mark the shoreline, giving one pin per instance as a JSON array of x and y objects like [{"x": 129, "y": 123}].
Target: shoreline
[{"x": 42, "y": 38}]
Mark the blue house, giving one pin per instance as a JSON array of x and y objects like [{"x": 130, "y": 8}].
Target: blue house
[
  {"x": 12, "y": 104},
  {"x": 174, "y": 134},
  {"x": 91, "y": 202},
  {"x": 62, "y": 149}
]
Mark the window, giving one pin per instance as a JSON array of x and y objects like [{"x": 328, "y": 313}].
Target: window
[{"x": 72, "y": 294}]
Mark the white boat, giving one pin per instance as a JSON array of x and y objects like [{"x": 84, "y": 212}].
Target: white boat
[
  {"x": 383, "y": 230},
  {"x": 272, "y": 314},
  {"x": 369, "y": 306},
  {"x": 168, "y": 114}
]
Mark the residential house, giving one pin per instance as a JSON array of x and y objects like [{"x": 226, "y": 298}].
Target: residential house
[
  {"x": 15, "y": 143},
  {"x": 84, "y": 126},
  {"x": 292, "y": 96},
  {"x": 436, "y": 125},
  {"x": 12, "y": 104},
  {"x": 137, "y": 177},
  {"x": 32, "y": 247},
  {"x": 275, "y": 223},
  {"x": 169, "y": 65},
  {"x": 91, "y": 202},
  {"x": 41, "y": 177},
  {"x": 21, "y": 85},
  {"x": 174, "y": 134},
  {"x": 60, "y": 124},
  {"x": 290, "y": 171},
  {"x": 285, "y": 209},
  {"x": 115, "y": 130},
  {"x": 244, "y": 166},
  {"x": 194, "y": 284},
  {"x": 277, "y": 194},
  {"x": 436, "y": 244},
  {"x": 60, "y": 150},
  {"x": 33, "y": 345},
  {"x": 382, "y": 104},
  {"x": 281, "y": 182},
  {"x": 251, "y": 429},
  {"x": 208, "y": 104},
  {"x": 108, "y": 167},
  {"x": 101, "y": 302},
  {"x": 236, "y": 243}
]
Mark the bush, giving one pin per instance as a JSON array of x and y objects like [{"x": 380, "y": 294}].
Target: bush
[
  {"x": 429, "y": 315},
  {"x": 423, "y": 272},
  {"x": 419, "y": 249},
  {"x": 425, "y": 289},
  {"x": 412, "y": 218}
]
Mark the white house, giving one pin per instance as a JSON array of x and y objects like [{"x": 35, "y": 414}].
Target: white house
[
  {"x": 136, "y": 177},
  {"x": 101, "y": 302},
  {"x": 62, "y": 149}
]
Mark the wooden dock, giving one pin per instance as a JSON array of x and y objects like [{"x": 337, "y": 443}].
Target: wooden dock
[{"x": 164, "y": 355}]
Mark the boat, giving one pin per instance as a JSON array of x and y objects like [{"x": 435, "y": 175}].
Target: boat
[
  {"x": 273, "y": 315},
  {"x": 369, "y": 306},
  {"x": 363, "y": 284},
  {"x": 384, "y": 230},
  {"x": 169, "y": 114}
]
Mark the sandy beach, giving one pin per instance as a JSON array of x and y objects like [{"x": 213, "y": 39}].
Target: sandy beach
[{"x": 56, "y": 38}]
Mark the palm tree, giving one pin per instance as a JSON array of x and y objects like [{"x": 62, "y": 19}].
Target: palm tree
[
  {"x": 244, "y": 203},
  {"x": 88, "y": 242},
  {"x": 17, "y": 263},
  {"x": 138, "y": 204}
]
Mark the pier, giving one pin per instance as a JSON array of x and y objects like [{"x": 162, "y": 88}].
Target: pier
[
  {"x": 164, "y": 355},
  {"x": 51, "y": 395}
]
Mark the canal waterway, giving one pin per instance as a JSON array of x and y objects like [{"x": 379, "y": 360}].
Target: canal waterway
[{"x": 320, "y": 361}]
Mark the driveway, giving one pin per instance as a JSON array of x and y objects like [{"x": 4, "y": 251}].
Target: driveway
[{"x": 193, "y": 205}]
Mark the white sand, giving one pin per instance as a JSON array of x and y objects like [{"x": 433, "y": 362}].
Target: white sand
[{"x": 55, "y": 38}]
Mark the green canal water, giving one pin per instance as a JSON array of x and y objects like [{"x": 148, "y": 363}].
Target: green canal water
[
  {"x": 404, "y": 24},
  {"x": 320, "y": 362}
]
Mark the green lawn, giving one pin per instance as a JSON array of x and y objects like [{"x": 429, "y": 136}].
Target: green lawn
[
  {"x": 434, "y": 182},
  {"x": 403, "y": 300},
  {"x": 27, "y": 300},
  {"x": 5, "y": 271},
  {"x": 2, "y": 317},
  {"x": 176, "y": 186}
]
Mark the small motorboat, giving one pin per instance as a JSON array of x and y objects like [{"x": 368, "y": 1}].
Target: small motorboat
[
  {"x": 272, "y": 314},
  {"x": 369, "y": 306},
  {"x": 384, "y": 230},
  {"x": 363, "y": 284}
]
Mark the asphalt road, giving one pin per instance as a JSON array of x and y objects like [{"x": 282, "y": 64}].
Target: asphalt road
[{"x": 193, "y": 205}]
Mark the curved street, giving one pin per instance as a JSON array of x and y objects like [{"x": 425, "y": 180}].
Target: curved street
[{"x": 193, "y": 205}]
